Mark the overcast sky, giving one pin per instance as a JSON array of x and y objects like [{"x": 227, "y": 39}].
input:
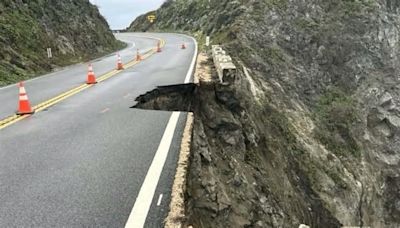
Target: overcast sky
[{"x": 120, "y": 13}]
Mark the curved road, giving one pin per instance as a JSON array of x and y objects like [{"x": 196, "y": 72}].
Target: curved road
[{"x": 90, "y": 160}]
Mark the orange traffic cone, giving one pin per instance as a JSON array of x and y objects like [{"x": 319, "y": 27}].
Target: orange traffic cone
[
  {"x": 120, "y": 66},
  {"x": 158, "y": 46},
  {"x": 183, "y": 46},
  {"x": 24, "y": 106},
  {"x": 138, "y": 57},
  {"x": 91, "y": 78}
]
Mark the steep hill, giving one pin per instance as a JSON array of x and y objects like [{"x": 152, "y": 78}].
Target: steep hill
[
  {"x": 309, "y": 133},
  {"x": 74, "y": 29}
]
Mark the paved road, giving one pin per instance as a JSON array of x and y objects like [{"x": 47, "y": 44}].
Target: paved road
[
  {"x": 82, "y": 162},
  {"x": 48, "y": 86}
]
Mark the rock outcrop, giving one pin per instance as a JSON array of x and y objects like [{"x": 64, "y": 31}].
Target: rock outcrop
[
  {"x": 309, "y": 132},
  {"x": 73, "y": 29}
]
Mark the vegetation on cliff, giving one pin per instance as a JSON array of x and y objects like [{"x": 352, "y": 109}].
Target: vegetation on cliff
[
  {"x": 317, "y": 142},
  {"x": 73, "y": 29}
]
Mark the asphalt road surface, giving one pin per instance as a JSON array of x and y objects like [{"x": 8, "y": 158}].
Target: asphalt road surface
[{"x": 91, "y": 160}]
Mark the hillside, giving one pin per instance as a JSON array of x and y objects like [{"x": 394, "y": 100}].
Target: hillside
[
  {"x": 309, "y": 134},
  {"x": 74, "y": 29}
]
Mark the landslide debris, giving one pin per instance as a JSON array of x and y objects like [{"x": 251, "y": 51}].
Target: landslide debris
[
  {"x": 73, "y": 29},
  {"x": 309, "y": 132},
  {"x": 169, "y": 98}
]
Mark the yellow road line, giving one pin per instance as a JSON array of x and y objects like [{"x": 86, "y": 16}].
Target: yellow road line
[{"x": 46, "y": 104}]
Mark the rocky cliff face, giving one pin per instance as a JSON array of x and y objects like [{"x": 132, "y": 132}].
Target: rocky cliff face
[
  {"x": 74, "y": 29},
  {"x": 309, "y": 132}
]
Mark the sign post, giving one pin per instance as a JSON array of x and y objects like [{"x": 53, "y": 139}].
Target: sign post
[{"x": 49, "y": 54}]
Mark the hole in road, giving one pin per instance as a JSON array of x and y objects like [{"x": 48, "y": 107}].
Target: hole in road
[
  {"x": 189, "y": 98},
  {"x": 169, "y": 98}
]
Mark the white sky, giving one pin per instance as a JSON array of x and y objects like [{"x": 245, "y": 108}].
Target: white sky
[{"x": 120, "y": 13}]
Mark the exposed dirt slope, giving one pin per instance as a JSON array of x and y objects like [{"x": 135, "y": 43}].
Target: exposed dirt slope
[{"x": 309, "y": 132}]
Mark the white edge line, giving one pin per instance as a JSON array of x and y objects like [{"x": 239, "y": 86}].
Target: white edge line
[
  {"x": 190, "y": 73},
  {"x": 159, "y": 200},
  {"x": 191, "y": 69},
  {"x": 138, "y": 215}
]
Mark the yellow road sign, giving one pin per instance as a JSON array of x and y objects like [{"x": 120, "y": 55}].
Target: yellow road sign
[{"x": 151, "y": 18}]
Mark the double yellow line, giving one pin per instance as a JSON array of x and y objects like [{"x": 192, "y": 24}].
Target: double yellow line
[{"x": 46, "y": 104}]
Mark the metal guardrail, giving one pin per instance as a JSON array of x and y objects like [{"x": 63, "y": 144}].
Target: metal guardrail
[{"x": 226, "y": 70}]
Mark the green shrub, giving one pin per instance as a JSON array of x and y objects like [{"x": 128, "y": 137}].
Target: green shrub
[{"x": 336, "y": 112}]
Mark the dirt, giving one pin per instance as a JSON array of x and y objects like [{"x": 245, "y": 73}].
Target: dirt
[
  {"x": 177, "y": 213},
  {"x": 169, "y": 98},
  {"x": 203, "y": 69},
  {"x": 234, "y": 160}
]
